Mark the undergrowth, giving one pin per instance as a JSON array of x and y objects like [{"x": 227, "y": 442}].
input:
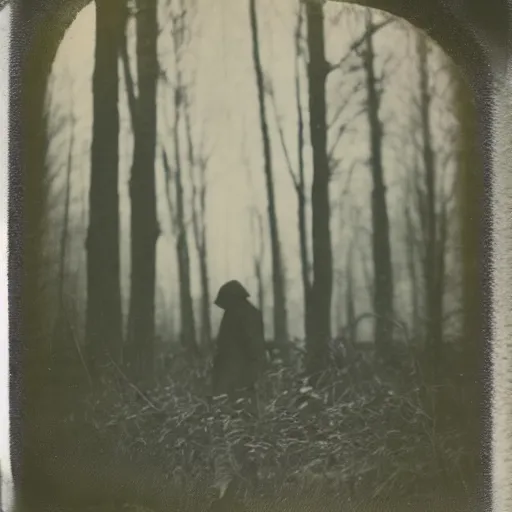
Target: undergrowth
[{"x": 363, "y": 429}]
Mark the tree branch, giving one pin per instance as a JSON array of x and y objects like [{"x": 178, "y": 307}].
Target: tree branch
[
  {"x": 125, "y": 60},
  {"x": 346, "y": 101},
  {"x": 168, "y": 180},
  {"x": 354, "y": 47},
  {"x": 130, "y": 89}
]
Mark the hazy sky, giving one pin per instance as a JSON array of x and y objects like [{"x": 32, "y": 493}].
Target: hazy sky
[{"x": 226, "y": 111}]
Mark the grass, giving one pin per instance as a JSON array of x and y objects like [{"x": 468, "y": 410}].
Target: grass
[{"x": 366, "y": 437}]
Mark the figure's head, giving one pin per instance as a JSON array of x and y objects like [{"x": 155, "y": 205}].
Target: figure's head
[{"x": 231, "y": 294}]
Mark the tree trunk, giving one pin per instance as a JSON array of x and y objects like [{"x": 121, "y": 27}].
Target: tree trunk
[
  {"x": 440, "y": 277},
  {"x": 382, "y": 268},
  {"x": 280, "y": 312},
  {"x": 178, "y": 210},
  {"x": 60, "y": 334},
  {"x": 200, "y": 238},
  {"x": 206, "y": 324},
  {"x": 321, "y": 290},
  {"x": 144, "y": 223},
  {"x": 104, "y": 322},
  {"x": 349, "y": 300},
  {"x": 260, "y": 288},
  {"x": 206, "y": 320},
  {"x": 188, "y": 327},
  {"x": 304, "y": 260},
  {"x": 199, "y": 224},
  {"x": 430, "y": 265},
  {"x": 301, "y": 182},
  {"x": 65, "y": 222},
  {"x": 411, "y": 264},
  {"x": 257, "y": 234}
]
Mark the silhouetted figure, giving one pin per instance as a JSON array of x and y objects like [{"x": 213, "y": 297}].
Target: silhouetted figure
[
  {"x": 240, "y": 351},
  {"x": 238, "y": 364}
]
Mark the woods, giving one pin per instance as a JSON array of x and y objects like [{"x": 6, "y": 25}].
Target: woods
[{"x": 302, "y": 156}]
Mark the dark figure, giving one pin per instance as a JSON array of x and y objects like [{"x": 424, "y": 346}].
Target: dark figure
[
  {"x": 240, "y": 351},
  {"x": 238, "y": 365}
]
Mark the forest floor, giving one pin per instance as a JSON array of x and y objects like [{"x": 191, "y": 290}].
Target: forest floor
[{"x": 363, "y": 441}]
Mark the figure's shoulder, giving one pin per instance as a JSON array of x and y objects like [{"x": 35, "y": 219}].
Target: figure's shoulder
[{"x": 253, "y": 310}]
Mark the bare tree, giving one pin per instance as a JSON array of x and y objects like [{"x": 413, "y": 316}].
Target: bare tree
[
  {"x": 411, "y": 244},
  {"x": 300, "y": 183},
  {"x": 321, "y": 289},
  {"x": 65, "y": 221},
  {"x": 381, "y": 246},
  {"x": 297, "y": 175},
  {"x": 259, "y": 252},
  {"x": 338, "y": 128},
  {"x": 433, "y": 262},
  {"x": 104, "y": 319},
  {"x": 188, "y": 325},
  {"x": 350, "y": 304},
  {"x": 127, "y": 73},
  {"x": 56, "y": 235},
  {"x": 198, "y": 165},
  {"x": 61, "y": 322},
  {"x": 177, "y": 212},
  {"x": 144, "y": 224},
  {"x": 258, "y": 235},
  {"x": 280, "y": 312}
]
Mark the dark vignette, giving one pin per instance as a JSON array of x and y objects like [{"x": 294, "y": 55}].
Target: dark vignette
[
  {"x": 436, "y": 17},
  {"x": 15, "y": 244}
]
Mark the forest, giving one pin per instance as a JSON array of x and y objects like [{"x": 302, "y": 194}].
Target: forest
[{"x": 318, "y": 154}]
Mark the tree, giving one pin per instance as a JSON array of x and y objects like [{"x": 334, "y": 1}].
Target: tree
[
  {"x": 411, "y": 245},
  {"x": 198, "y": 166},
  {"x": 434, "y": 232},
  {"x": 321, "y": 289},
  {"x": 65, "y": 221},
  {"x": 259, "y": 251},
  {"x": 381, "y": 246},
  {"x": 104, "y": 321},
  {"x": 257, "y": 230},
  {"x": 197, "y": 161},
  {"x": 298, "y": 176},
  {"x": 61, "y": 321},
  {"x": 188, "y": 326},
  {"x": 280, "y": 312},
  {"x": 349, "y": 297},
  {"x": 144, "y": 223},
  {"x": 174, "y": 175},
  {"x": 176, "y": 209}
]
